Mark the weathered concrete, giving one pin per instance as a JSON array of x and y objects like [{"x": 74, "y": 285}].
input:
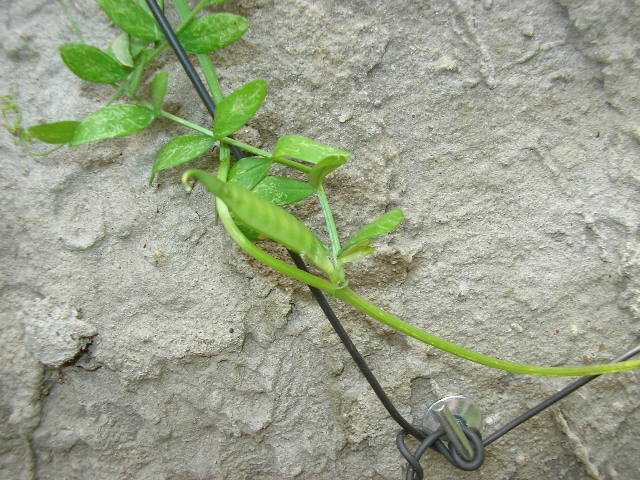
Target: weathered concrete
[{"x": 139, "y": 343}]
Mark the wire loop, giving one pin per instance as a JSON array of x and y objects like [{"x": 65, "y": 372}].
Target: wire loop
[{"x": 435, "y": 440}]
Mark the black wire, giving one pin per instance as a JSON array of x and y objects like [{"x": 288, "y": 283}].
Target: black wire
[
  {"x": 434, "y": 440},
  {"x": 182, "y": 56},
  {"x": 355, "y": 354},
  {"x": 572, "y": 387}
]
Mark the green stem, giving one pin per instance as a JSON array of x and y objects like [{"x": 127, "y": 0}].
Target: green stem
[
  {"x": 72, "y": 21},
  {"x": 390, "y": 320},
  {"x": 247, "y": 148},
  {"x": 394, "y": 322},
  {"x": 181, "y": 121},
  {"x": 208, "y": 68},
  {"x": 331, "y": 224},
  {"x": 115, "y": 96},
  {"x": 44, "y": 154},
  {"x": 224, "y": 140},
  {"x": 263, "y": 153}
]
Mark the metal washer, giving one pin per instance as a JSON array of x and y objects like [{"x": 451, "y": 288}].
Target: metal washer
[{"x": 464, "y": 409}]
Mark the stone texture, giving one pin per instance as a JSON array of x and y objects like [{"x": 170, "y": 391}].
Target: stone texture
[{"x": 509, "y": 132}]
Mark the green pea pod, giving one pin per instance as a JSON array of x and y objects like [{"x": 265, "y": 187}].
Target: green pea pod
[{"x": 268, "y": 219}]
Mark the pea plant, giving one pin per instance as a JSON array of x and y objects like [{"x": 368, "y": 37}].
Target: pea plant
[{"x": 249, "y": 201}]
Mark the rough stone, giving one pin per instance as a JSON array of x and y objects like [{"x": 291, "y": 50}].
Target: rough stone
[{"x": 508, "y": 132}]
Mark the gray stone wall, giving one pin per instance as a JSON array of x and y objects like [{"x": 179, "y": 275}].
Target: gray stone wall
[{"x": 139, "y": 343}]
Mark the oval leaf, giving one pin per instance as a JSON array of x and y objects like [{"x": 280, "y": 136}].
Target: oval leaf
[
  {"x": 323, "y": 168},
  {"x": 385, "y": 224},
  {"x": 181, "y": 150},
  {"x": 91, "y": 63},
  {"x": 120, "y": 49},
  {"x": 238, "y": 108},
  {"x": 132, "y": 18},
  {"x": 58, "y": 132},
  {"x": 159, "y": 89},
  {"x": 283, "y": 191},
  {"x": 266, "y": 218},
  {"x": 111, "y": 122},
  {"x": 249, "y": 171},
  {"x": 213, "y": 32},
  {"x": 303, "y": 148}
]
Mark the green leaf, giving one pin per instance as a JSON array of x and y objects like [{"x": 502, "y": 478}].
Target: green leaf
[
  {"x": 111, "y": 122},
  {"x": 58, "y": 132},
  {"x": 91, "y": 63},
  {"x": 213, "y": 32},
  {"x": 283, "y": 191},
  {"x": 159, "y": 89},
  {"x": 132, "y": 18},
  {"x": 145, "y": 7},
  {"x": 135, "y": 80},
  {"x": 249, "y": 171},
  {"x": 136, "y": 46},
  {"x": 303, "y": 148},
  {"x": 180, "y": 150},
  {"x": 266, "y": 218},
  {"x": 358, "y": 252},
  {"x": 238, "y": 108},
  {"x": 323, "y": 168},
  {"x": 385, "y": 224},
  {"x": 121, "y": 51}
]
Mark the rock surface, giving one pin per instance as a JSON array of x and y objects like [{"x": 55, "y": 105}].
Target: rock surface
[{"x": 139, "y": 343}]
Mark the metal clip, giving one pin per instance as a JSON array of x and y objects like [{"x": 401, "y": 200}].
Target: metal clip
[{"x": 448, "y": 413}]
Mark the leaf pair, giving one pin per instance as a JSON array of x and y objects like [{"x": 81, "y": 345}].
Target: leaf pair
[
  {"x": 232, "y": 113},
  {"x": 202, "y": 35},
  {"x": 267, "y": 219}
]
